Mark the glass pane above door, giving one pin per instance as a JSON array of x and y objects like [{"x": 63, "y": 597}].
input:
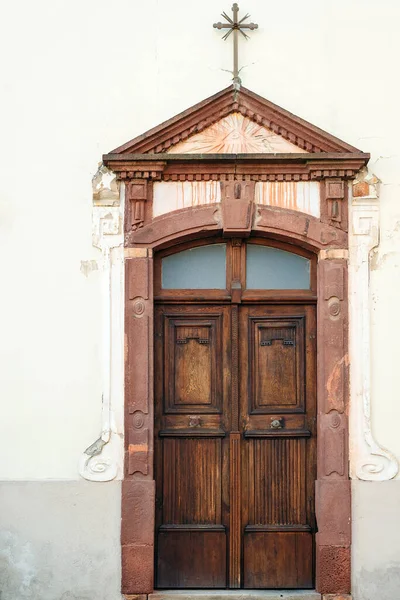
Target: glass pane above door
[
  {"x": 203, "y": 268},
  {"x": 274, "y": 269}
]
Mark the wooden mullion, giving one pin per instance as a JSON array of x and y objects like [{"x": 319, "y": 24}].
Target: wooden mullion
[{"x": 234, "y": 463}]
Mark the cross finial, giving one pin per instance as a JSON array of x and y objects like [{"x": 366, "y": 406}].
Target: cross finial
[{"x": 236, "y": 26}]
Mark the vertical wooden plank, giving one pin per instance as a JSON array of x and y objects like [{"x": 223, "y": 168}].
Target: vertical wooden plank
[
  {"x": 235, "y": 368},
  {"x": 236, "y": 281},
  {"x": 235, "y": 512},
  {"x": 234, "y": 463}
]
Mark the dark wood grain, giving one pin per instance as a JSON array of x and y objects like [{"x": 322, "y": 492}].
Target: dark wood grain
[
  {"x": 235, "y": 491},
  {"x": 191, "y": 559},
  {"x": 278, "y": 560},
  {"x": 192, "y": 369},
  {"x": 277, "y": 387}
]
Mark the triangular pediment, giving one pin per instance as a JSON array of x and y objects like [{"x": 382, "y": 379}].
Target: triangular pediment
[{"x": 233, "y": 122}]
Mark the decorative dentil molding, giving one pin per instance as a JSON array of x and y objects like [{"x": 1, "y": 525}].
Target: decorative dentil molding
[
  {"x": 99, "y": 462},
  {"x": 371, "y": 462}
]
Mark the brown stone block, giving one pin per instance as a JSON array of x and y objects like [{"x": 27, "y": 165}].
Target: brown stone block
[
  {"x": 137, "y": 392},
  {"x": 138, "y": 509},
  {"x": 309, "y": 229},
  {"x": 135, "y": 597},
  {"x": 360, "y": 189},
  {"x": 137, "y": 277},
  {"x": 333, "y": 569},
  {"x": 336, "y": 597},
  {"x": 333, "y": 512},
  {"x": 137, "y": 569},
  {"x": 173, "y": 226}
]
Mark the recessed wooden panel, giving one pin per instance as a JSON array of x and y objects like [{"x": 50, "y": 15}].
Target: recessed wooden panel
[
  {"x": 191, "y": 559},
  {"x": 277, "y": 481},
  {"x": 192, "y": 481},
  {"x": 193, "y": 377},
  {"x": 235, "y": 446},
  {"x": 278, "y": 560},
  {"x": 193, "y": 366},
  {"x": 276, "y": 365}
]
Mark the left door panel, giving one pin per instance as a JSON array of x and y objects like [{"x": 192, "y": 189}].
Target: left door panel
[{"x": 192, "y": 420}]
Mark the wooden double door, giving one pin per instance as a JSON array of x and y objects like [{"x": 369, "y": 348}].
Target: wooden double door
[{"x": 235, "y": 445}]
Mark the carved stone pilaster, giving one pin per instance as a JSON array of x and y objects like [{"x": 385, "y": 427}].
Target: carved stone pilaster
[
  {"x": 332, "y": 499},
  {"x": 138, "y": 487},
  {"x": 139, "y": 364},
  {"x": 370, "y": 461}
]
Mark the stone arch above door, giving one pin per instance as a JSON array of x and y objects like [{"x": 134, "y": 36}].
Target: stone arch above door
[{"x": 301, "y": 197}]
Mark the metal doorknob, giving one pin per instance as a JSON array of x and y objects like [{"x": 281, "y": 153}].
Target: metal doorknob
[{"x": 276, "y": 423}]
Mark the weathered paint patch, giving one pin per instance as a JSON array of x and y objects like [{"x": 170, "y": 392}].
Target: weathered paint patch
[
  {"x": 303, "y": 196},
  {"x": 378, "y": 260},
  {"x": 105, "y": 187},
  {"x": 174, "y": 195},
  {"x": 88, "y": 266}
]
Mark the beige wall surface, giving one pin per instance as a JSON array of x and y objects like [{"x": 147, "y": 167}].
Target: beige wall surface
[
  {"x": 81, "y": 78},
  {"x": 60, "y": 541},
  {"x": 376, "y": 540}
]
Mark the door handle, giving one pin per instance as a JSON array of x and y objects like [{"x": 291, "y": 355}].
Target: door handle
[{"x": 276, "y": 423}]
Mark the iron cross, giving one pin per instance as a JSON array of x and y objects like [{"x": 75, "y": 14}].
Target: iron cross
[{"x": 236, "y": 26}]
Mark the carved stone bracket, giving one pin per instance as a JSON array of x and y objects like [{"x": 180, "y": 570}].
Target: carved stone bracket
[
  {"x": 370, "y": 461},
  {"x": 334, "y": 202},
  {"x": 237, "y": 207},
  {"x": 136, "y": 196},
  {"x": 100, "y": 461}
]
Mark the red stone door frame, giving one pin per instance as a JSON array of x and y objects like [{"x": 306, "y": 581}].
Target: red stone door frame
[{"x": 238, "y": 216}]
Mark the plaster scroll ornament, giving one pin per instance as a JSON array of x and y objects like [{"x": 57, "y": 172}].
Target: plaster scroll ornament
[
  {"x": 371, "y": 462},
  {"x": 99, "y": 462}
]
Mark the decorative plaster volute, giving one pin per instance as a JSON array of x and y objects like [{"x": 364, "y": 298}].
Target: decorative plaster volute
[
  {"x": 102, "y": 460},
  {"x": 369, "y": 460}
]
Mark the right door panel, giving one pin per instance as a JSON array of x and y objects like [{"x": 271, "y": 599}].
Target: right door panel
[{"x": 277, "y": 407}]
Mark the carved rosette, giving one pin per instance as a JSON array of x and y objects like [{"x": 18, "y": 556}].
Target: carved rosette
[{"x": 370, "y": 461}]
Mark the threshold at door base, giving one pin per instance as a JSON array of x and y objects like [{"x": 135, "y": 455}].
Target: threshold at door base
[{"x": 241, "y": 594}]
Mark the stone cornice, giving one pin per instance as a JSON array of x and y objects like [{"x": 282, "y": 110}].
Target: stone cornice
[{"x": 257, "y": 167}]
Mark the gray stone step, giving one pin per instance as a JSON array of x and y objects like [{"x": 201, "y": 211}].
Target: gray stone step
[{"x": 235, "y": 595}]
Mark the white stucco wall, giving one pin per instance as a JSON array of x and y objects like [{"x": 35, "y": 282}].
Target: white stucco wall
[{"x": 80, "y": 78}]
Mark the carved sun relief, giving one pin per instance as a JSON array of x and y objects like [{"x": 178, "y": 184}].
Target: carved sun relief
[{"x": 235, "y": 134}]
